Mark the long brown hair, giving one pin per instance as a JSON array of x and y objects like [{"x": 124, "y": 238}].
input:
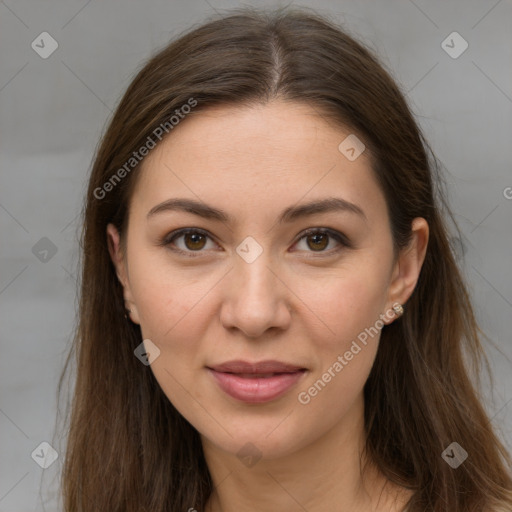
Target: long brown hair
[{"x": 128, "y": 449}]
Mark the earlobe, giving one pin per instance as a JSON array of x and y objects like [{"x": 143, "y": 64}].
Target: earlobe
[{"x": 408, "y": 266}]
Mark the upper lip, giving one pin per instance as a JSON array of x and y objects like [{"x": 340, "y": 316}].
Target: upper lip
[{"x": 267, "y": 366}]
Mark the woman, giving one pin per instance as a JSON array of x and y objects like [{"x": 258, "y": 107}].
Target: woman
[{"x": 271, "y": 316}]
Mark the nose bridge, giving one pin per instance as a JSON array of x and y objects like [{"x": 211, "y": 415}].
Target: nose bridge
[
  {"x": 257, "y": 298},
  {"x": 255, "y": 280}
]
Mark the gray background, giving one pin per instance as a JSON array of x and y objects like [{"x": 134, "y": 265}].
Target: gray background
[{"x": 53, "y": 112}]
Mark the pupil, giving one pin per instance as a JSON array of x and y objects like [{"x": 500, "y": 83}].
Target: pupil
[
  {"x": 196, "y": 238},
  {"x": 315, "y": 237}
]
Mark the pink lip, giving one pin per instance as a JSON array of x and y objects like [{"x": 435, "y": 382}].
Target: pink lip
[
  {"x": 267, "y": 366},
  {"x": 235, "y": 380}
]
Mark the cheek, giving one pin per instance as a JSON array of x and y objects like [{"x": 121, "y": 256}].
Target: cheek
[
  {"x": 345, "y": 353},
  {"x": 346, "y": 350},
  {"x": 343, "y": 302},
  {"x": 165, "y": 297},
  {"x": 169, "y": 309}
]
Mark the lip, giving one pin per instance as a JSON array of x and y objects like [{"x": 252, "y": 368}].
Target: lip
[
  {"x": 267, "y": 366},
  {"x": 234, "y": 378}
]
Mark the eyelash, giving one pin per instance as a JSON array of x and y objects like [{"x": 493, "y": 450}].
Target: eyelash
[{"x": 339, "y": 237}]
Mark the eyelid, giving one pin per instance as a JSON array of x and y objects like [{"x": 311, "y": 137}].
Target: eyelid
[
  {"x": 332, "y": 233},
  {"x": 168, "y": 239}
]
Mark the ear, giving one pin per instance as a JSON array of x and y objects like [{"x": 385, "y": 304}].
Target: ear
[
  {"x": 119, "y": 261},
  {"x": 406, "y": 270}
]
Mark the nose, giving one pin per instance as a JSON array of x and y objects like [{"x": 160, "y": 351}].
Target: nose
[{"x": 256, "y": 298}]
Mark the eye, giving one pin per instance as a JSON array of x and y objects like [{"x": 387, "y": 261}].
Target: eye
[
  {"x": 194, "y": 240},
  {"x": 317, "y": 239}
]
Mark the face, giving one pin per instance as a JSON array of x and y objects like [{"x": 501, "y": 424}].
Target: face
[{"x": 260, "y": 278}]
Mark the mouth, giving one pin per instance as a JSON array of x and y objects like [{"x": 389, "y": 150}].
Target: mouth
[
  {"x": 256, "y": 375},
  {"x": 256, "y": 382}
]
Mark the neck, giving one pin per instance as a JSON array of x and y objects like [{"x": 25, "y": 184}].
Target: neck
[{"x": 328, "y": 474}]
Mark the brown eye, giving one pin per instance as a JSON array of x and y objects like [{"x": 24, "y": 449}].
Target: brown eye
[
  {"x": 187, "y": 241},
  {"x": 319, "y": 241},
  {"x": 194, "y": 241}
]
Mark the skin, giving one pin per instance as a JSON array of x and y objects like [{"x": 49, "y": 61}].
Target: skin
[{"x": 300, "y": 301}]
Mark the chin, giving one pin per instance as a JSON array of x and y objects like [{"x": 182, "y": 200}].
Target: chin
[{"x": 266, "y": 440}]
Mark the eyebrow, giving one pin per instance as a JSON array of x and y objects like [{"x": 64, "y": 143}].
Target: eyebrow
[{"x": 290, "y": 214}]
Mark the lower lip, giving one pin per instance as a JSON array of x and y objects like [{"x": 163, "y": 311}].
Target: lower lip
[{"x": 257, "y": 390}]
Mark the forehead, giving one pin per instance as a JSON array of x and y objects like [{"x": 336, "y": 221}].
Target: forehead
[{"x": 253, "y": 157}]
